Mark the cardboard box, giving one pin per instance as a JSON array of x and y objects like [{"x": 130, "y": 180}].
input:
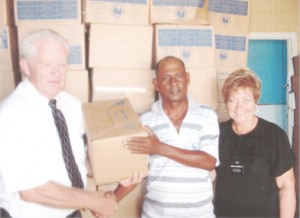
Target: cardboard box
[
  {"x": 136, "y": 85},
  {"x": 108, "y": 124},
  {"x": 75, "y": 35},
  {"x": 229, "y": 16},
  {"x": 231, "y": 50},
  {"x": 203, "y": 86},
  {"x": 193, "y": 44},
  {"x": 5, "y": 49},
  {"x": 7, "y": 83},
  {"x": 77, "y": 84},
  {"x": 120, "y": 46},
  {"x": 117, "y": 12},
  {"x": 3, "y": 13},
  {"x": 41, "y": 11},
  {"x": 179, "y": 12}
]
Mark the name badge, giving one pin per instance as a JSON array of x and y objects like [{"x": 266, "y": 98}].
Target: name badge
[{"x": 237, "y": 167}]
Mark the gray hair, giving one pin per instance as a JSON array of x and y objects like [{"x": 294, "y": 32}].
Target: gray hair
[{"x": 28, "y": 46}]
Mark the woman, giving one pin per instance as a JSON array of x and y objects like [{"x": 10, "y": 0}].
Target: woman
[{"x": 255, "y": 177}]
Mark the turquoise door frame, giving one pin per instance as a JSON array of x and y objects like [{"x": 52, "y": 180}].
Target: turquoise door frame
[{"x": 270, "y": 56}]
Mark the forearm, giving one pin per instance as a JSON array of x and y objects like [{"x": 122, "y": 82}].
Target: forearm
[
  {"x": 121, "y": 191},
  {"x": 56, "y": 195},
  {"x": 287, "y": 202},
  {"x": 192, "y": 158}
]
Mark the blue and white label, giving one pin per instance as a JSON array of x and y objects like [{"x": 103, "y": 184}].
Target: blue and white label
[
  {"x": 75, "y": 55},
  {"x": 234, "y": 7},
  {"x": 140, "y": 2},
  {"x": 182, "y": 3},
  {"x": 232, "y": 43},
  {"x": 185, "y": 37},
  {"x": 45, "y": 10}
]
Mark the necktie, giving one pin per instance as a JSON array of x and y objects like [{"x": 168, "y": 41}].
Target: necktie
[{"x": 68, "y": 156}]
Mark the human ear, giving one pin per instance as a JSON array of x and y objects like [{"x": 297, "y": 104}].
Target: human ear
[
  {"x": 155, "y": 84},
  {"x": 24, "y": 67}
]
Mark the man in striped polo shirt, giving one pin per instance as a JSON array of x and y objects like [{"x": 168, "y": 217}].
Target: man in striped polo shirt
[{"x": 183, "y": 148}]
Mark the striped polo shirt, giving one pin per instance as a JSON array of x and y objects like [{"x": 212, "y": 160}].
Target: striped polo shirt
[{"x": 173, "y": 189}]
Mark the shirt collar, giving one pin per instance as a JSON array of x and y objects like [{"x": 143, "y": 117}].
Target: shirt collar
[{"x": 33, "y": 92}]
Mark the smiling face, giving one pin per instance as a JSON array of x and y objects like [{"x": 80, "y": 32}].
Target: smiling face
[
  {"x": 47, "y": 69},
  {"x": 172, "y": 81},
  {"x": 241, "y": 105}
]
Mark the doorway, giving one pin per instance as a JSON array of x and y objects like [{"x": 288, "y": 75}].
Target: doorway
[{"x": 270, "y": 57}]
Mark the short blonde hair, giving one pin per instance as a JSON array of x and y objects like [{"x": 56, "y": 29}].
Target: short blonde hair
[{"x": 242, "y": 79}]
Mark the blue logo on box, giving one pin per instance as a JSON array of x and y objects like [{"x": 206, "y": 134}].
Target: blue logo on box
[
  {"x": 186, "y": 53},
  {"x": 223, "y": 55},
  {"x": 117, "y": 10},
  {"x": 180, "y": 13},
  {"x": 225, "y": 20}
]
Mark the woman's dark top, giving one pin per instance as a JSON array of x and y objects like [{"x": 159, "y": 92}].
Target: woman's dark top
[{"x": 249, "y": 164}]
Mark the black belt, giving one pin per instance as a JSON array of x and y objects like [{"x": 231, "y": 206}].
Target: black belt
[{"x": 75, "y": 214}]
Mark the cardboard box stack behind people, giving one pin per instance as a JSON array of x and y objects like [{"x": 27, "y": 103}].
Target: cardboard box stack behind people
[
  {"x": 108, "y": 83},
  {"x": 64, "y": 17},
  {"x": 109, "y": 123},
  {"x": 117, "y": 12},
  {"x": 74, "y": 33},
  {"x": 40, "y": 11},
  {"x": 179, "y": 12},
  {"x": 120, "y": 46},
  {"x": 7, "y": 80},
  {"x": 5, "y": 51}
]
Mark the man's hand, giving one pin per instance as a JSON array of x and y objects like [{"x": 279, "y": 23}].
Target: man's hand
[
  {"x": 106, "y": 205},
  {"x": 135, "y": 179},
  {"x": 144, "y": 145}
]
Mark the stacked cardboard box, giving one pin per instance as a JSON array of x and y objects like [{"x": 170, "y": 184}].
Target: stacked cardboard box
[
  {"x": 120, "y": 61},
  {"x": 117, "y": 12},
  {"x": 134, "y": 84},
  {"x": 231, "y": 27},
  {"x": 120, "y": 51},
  {"x": 47, "y": 12},
  {"x": 64, "y": 17},
  {"x": 7, "y": 78},
  {"x": 191, "y": 42},
  {"x": 179, "y": 12}
]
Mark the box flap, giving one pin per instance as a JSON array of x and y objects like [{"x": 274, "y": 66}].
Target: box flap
[{"x": 110, "y": 118}]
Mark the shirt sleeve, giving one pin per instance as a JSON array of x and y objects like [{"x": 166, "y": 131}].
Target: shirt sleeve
[
  {"x": 281, "y": 155},
  {"x": 210, "y": 136},
  {"x": 21, "y": 166}
]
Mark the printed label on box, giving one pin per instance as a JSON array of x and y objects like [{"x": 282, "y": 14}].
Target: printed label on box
[
  {"x": 231, "y": 50},
  {"x": 229, "y": 16},
  {"x": 194, "y": 45}
]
